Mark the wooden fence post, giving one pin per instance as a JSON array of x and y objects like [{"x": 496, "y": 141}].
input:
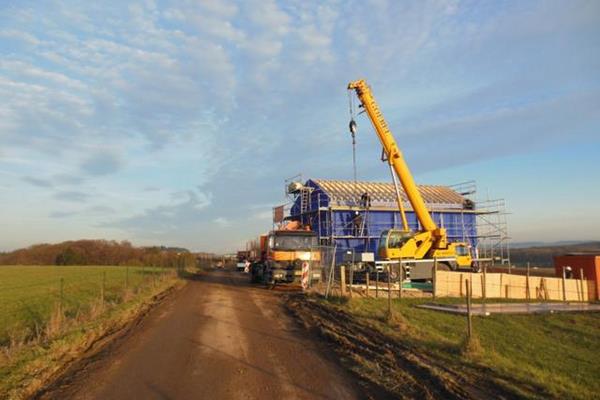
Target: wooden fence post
[
  {"x": 484, "y": 293},
  {"x": 581, "y": 284},
  {"x": 351, "y": 276},
  {"x": 103, "y": 287},
  {"x": 564, "y": 291},
  {"x": 389, "y": 283},
  {"x": 367, "y": 282},
  {"x": 469, "y": 320},
  {"x": 376, "y": 283},
  {"x": 343, "y": 280},
  {"x": 527, "y": 287},
  {"x": 482, "y": 278},
  {"x": 434, "y": 277},
  {"x": 400, "y": 278},
  {"x": 62, "y": 295}
]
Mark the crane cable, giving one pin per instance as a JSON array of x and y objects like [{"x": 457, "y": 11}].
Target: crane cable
[{"x": 353, "y": 128}]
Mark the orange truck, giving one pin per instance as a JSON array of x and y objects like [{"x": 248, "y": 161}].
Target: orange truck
[{"x": 282, "y": 254}]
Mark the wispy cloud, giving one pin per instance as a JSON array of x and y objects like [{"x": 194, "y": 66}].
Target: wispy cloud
[
  {"x": 133, "y": 101},
  {"x": 39, "y": 182},
  {"x": 102, "y": 163},
  {"x": 72, "y": 196}
]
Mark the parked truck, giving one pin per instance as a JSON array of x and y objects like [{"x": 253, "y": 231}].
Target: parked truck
[{"x": 283, "y": 254}]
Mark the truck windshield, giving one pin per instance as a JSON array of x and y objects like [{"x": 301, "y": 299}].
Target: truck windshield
[{"x": 290, "y": 242}]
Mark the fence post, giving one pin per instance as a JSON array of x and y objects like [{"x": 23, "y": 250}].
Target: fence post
[
  {"x": 351, "y": 279},
  {"x": 376, "y": 283},
  {"x": 484, "y": 290},
  {"x": 103, "y": 287},
  {"x": 401, "y": 278},
  {"x": 343, "y": 280},
  {"x": 469, "y": 320},
  {"x": 481, "y": 278},
  {"x": 564, "y": 291},
  {"x": 434, "y": 277},
  {"x": 62, "y": 295},
  {"x": 389, "y": 282},
  {"x": 581, "y": 284},
  {"x": 367, "y": 282},
  {"x": 528, "y": 288}
]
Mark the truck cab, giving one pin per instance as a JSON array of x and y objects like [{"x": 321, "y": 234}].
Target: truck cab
[{"x": 283, "y": 255}]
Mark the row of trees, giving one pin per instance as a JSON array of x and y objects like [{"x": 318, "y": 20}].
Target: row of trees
[{"x": 99, "y": 252}]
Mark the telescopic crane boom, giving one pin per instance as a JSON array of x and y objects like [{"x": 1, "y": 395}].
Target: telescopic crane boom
[{"x": 432, "y": 240}]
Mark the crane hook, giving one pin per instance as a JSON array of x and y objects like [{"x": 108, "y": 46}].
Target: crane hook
[{"x": 353, "y": 127}]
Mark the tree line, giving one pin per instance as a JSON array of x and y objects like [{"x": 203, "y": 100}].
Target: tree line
[{"x": 99, "y": 252}]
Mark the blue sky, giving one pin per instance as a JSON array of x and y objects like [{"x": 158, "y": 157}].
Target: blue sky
[{"x": 176, "y": 122}]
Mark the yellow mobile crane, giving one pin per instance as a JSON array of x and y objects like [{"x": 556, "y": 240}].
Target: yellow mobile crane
[{"x": 394, "y": 244}]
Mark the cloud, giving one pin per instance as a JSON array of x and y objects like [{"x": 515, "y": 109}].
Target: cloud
[
  {"x": 222, "y": 222},
  {"x": 100, "y": 210},
  {"x": 102, "y": 163},
  {"x": 236, "y": 96},
  {"x": 68, "y": 179},
  {"x": 43, "y": 183},
  {"x": 167, "y": 219},
  {"x": 62, "y": 214},
  {"x": 72, "y": 196}
]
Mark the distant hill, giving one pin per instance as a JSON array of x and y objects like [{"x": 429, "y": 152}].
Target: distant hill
[
  {"x": 520, "y": 245},
  {"x": 541, "y": 256},
  {"x": 97, "y": 252}
]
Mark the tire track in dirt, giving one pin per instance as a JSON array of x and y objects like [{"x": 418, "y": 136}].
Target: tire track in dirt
[
  {"x": 379, "y": 361},
  {"x": 217, "y": 338}
]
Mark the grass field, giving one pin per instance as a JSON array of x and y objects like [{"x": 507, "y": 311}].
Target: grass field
[
  {"x": 38, "y": 337},
  {"x": 555, "y": 353},
  {"x": 29, "y": 294}
]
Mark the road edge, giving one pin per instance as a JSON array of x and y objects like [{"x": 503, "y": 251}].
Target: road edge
[{"x": 107, "y": 341}]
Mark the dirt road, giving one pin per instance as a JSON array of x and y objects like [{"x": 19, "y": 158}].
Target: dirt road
[{"x": 217, "y": 338}]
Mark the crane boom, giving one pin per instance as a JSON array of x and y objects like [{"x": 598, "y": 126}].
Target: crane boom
[{"x": 395, "y": 157}]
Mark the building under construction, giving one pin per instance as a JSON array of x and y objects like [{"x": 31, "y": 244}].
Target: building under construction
[{"x": 352, "y": 215}]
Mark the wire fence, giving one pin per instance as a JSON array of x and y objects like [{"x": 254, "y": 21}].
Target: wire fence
[
  {"x": 393, "y": 280},
  {"x": 37, "y": 302}
]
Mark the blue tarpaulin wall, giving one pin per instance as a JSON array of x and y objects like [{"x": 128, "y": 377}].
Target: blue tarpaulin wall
[{"x": 459, "y": 226}]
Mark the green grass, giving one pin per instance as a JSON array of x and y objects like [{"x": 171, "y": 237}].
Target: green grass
[
  {"x": 38, "y": 344},
  {"x": 555, "y": 352},
  {"x": 29, "y": 294}
]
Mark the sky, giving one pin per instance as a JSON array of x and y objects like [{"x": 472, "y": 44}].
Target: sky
[{"x": 177, "y": 122}]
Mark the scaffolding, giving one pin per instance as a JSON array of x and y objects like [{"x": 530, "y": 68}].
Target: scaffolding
[
  {"x": 481, "y": 222},
  {"x": 493, "y": 240}
]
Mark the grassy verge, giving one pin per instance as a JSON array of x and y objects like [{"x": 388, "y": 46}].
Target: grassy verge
[
  {"x": 533, "y": 356},
  {"x": 43, "y": 332}
]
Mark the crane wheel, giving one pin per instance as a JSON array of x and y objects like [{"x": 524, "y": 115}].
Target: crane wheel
[{"x": 445, "y": 266}]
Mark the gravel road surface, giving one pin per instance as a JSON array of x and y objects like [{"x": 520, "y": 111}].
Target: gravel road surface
[{"x": 217, "y": 338}]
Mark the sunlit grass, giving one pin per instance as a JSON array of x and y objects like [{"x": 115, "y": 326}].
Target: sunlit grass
[{"x": 557, "y": 352}]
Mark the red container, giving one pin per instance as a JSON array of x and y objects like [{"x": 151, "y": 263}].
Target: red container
[{"x": 588, "y": 262}]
